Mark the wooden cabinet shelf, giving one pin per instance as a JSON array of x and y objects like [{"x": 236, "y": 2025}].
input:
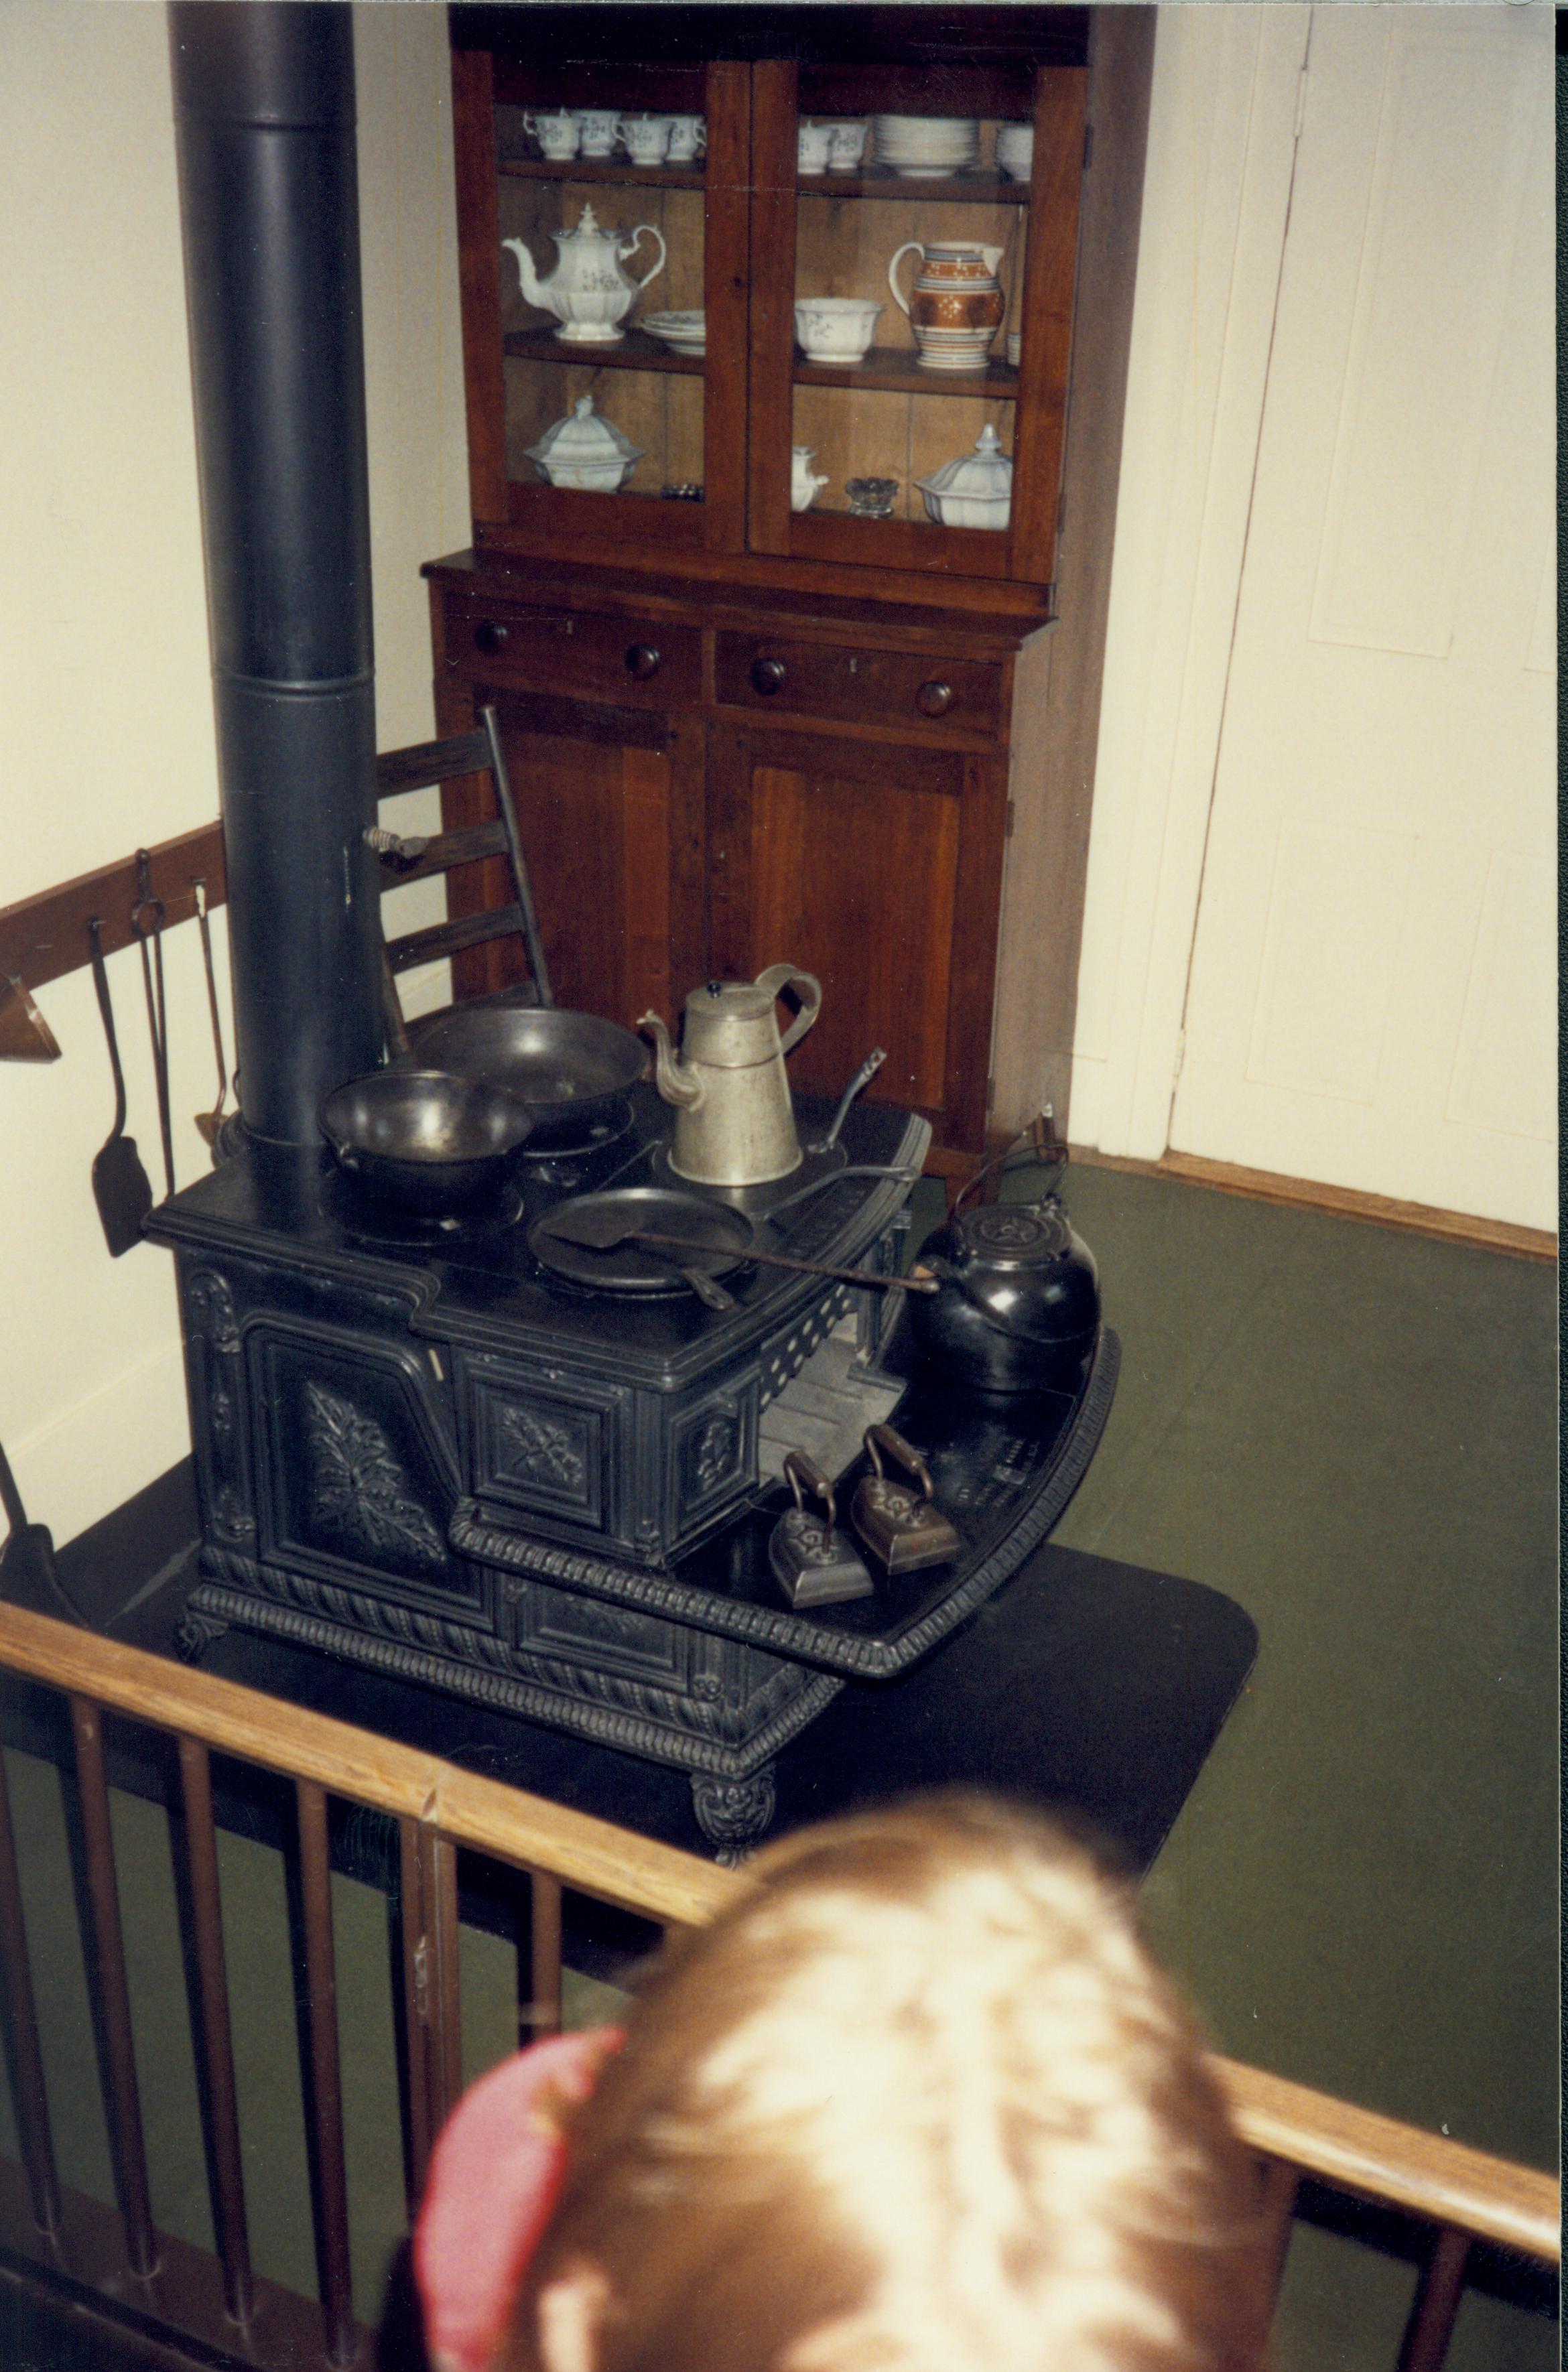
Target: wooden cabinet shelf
[
  {"x": 958, "y": 189},
  {"x": 601, "y": 168},
  {"x": 899, "y": 374},
  {"x": 633, "y": 351}
]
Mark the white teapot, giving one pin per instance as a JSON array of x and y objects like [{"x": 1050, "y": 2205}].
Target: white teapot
[
  {"x": 805, "y": 483},
  {"x": 587, "y": 291}
]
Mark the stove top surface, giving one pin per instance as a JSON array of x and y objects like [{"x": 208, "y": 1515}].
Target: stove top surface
[{"x": 477, "y": 1281}]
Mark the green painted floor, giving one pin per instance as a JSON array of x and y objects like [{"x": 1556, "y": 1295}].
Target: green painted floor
[{"x": 1350, "y": 1430}]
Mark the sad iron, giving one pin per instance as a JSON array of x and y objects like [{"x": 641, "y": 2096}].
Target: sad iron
[
  {"x": 813, "y": 1563},
  {"x": 901, "y": 1526}
]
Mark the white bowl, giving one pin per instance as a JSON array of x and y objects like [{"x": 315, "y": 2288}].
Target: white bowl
[
  {"x": 1014, "y": 150},
  {"x": 837, "y": 329}
]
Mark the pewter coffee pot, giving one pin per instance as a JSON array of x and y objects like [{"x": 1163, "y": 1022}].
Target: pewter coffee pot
[{"x": 733, "y": 1118}]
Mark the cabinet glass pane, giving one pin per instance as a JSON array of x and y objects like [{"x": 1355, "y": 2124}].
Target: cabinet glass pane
[
  {"x": 882, "y": 399},
  {"x": 602, "y": 299}
]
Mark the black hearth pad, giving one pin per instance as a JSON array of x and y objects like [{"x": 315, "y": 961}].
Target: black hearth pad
[{"x": 1085, "y": 1685}]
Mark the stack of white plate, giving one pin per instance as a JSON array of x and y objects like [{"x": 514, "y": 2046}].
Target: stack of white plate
[
  {"x": 926, "y": 147},
  {"x": 684, "y": 333}
]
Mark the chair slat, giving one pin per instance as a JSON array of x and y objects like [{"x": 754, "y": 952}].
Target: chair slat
[
  {"x": 427, "y": 763},
  {"x": 443, "y": 850},
  {"x": 448, "y": 938},
  {"x": 216, "y": 2042},
  {"x": 326, "y": 2084},
  {"x": 27, "y": 2060},
  {"x": 124, "y": 2103},
  {"x": 544, "y": 1953},
  {"x": 1437, "y": 2307}
]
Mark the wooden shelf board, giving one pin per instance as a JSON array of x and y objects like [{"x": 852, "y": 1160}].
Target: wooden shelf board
[
  {"x": 633, "y": 351},
  {"x": 898, "y": 375},
  {"x": 971, "y": 189},
  {"x": 602, "y": 169}
]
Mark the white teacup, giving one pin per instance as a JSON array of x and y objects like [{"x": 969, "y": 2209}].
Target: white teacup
[
  {"x": 688, "y": 138},
  {"x": 837, "y": 329},
  {"x": 598, "y": 126},
  {"x": 813, "y": 145},
  {"x": 555, "y": 129},
  {"x": 1016, "y": 149},
  {"x": 646, "y": 138},
  {"x": 846, "y": 146}
]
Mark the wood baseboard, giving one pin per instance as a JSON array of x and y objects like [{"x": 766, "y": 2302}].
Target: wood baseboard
[{"x": 1338, "y": 1201}]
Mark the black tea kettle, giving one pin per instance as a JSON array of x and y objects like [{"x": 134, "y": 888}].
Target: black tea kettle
[{"x": 1018, "y": 1308}]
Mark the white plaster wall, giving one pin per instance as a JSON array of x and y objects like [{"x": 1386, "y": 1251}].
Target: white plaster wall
[{"x": 104, "y": 685}]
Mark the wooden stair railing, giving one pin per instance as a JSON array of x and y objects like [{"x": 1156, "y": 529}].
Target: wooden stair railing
[{"x": 160, "y": 2300}]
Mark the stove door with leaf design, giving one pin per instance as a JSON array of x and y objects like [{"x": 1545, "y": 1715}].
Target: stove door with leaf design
[{"x": 361, "y": 1474}]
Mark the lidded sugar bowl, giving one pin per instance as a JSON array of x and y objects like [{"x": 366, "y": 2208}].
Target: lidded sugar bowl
[
  {"x": 974, "y": 488},
  {"x": 584, "y": 449}
]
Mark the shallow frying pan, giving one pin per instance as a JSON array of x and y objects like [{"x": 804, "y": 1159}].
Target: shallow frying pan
[{"x": 570, "y": 1068}]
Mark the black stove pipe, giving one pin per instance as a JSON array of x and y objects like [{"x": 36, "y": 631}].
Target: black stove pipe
[{"x": 264, "y": 119}]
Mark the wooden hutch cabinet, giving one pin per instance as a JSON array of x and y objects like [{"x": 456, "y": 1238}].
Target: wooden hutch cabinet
[{"x": 763, "y": 696}]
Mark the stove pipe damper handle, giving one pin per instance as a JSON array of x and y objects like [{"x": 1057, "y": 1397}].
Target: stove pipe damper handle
[{"x": 264, "y": 120}]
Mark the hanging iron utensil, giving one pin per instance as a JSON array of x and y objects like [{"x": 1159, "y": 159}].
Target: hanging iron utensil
[
  {"x": 27, "y": 1561},
  {"x": 604, "y": 1228},
  {"x": 121, "y": 1186},
  {"x": 861, "y": 1078},
  {"x": 814, "y": 1563},
  {"x": 901, "y": 1526},
  {"x": 157, "y": 1007},
  {"x": 210, "y": 1123}
]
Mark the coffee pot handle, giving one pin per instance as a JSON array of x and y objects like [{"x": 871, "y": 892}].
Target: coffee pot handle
[
  {"x": 784, "y": 975},
  {"x": 899, "y": 297}
]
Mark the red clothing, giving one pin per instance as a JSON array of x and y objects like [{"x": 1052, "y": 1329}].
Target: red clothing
[{"x": 495, "y": 2175}]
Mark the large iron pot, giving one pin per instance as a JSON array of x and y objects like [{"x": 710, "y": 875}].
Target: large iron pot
[
  {"x": 430, "y": 1142},
  {"x": 572, "y": 1069},
  {"x": 1019, "y": 1308}
]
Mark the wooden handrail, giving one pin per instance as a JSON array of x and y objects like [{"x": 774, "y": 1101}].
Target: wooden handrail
[
  {"x": 613, "y": 1863},
  {"x": 1354, "y": 2149},
  {"x": 1401, "y": 2166}
]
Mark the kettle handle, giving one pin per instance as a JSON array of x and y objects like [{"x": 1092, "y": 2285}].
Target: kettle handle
[{"x": 784, "y": 975}]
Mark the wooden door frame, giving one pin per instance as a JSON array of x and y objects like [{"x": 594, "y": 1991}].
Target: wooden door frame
[{"x": 1227, "y": 87}]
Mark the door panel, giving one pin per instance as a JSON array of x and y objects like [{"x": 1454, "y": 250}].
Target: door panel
[
  {"x": 867, "y": 865},
  {"x": 1372, "y": 984}
]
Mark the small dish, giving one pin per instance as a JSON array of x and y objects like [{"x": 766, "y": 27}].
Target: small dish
[
  {"x": 872, "y": 497},
  {"x": 684, "y": 333}
]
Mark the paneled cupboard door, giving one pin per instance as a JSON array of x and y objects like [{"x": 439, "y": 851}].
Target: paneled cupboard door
[
  {"x": 878, "y": 868},
  {"x": 610, "y": 809},
  {"x": 604, "y": 299},
  {"x": 913, "y": 240}
]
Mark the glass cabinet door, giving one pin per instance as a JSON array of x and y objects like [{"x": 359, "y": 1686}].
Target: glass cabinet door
[
  {"x": 604, "y": 307},
  {"x": 914, "y": 232}
]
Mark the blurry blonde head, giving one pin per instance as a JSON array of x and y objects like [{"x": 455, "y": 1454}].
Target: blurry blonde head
[{"x": 919, "y": 2102}]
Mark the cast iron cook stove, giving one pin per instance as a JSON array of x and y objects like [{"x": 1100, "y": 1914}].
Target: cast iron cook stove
[{"x": 417, "y": 1451}]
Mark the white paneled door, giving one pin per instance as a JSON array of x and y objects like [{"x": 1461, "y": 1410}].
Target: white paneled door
[{"x": 1373, "y": 989}]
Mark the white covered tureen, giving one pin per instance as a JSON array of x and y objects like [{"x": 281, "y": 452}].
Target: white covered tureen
[
  {"x": 585, "y": 450},
  {"x": 973, "y": 490}
]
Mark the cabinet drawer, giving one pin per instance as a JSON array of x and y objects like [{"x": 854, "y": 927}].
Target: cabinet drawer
[
  {"x": 626, "y": 660},
  {"x": 890, "y": 688}
]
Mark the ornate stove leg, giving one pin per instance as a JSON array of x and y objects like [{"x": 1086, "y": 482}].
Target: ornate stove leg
[
  {"x": 732, "y": 1813},
  {"x": 196, "y": 1631}
]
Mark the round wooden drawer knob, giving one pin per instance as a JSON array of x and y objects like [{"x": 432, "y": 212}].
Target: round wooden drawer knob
[
  {"x": 934, "y": 699},
  {"x": 642, "y": 660},
  {"x": 767, "y": 675},
  {"x": 490, "y": 634}
]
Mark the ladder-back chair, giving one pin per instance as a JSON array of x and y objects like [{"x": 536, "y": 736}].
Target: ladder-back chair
[{"x": 420, "y": 767}]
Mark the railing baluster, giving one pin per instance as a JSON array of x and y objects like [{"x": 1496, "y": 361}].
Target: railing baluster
[
  {"x": 27, "y": 2060},
  {"x": 446, "y": 2009},
  {"x": 544, "y": 1952},
  {"x": 1278, "y": 2182},
  {"x": 217, "y": 2048},
  {"x": 1437, "y": 2307},
  {"x": 326, "y": 2086},
  {"x": 411, "y": 1840},
  {"x": 125, "y": 2102}
]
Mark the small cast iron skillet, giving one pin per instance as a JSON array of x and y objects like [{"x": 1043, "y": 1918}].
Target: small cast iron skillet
[{"x": 424, "y": 1140}]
